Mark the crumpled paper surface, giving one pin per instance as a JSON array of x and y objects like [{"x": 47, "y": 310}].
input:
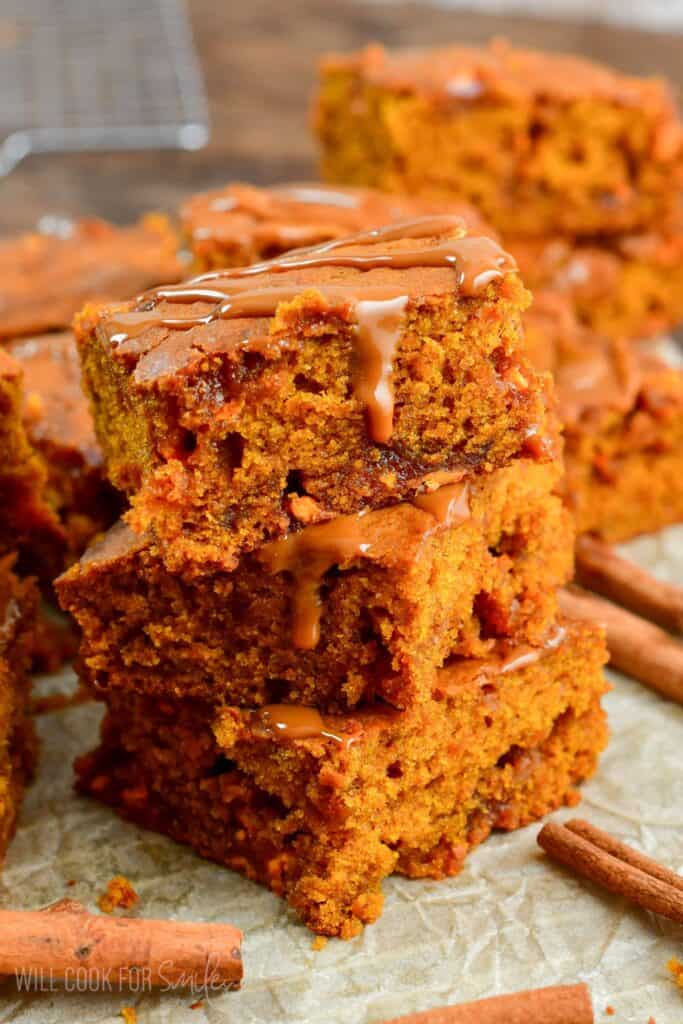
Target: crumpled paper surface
[{"x": 511, "y": 920}]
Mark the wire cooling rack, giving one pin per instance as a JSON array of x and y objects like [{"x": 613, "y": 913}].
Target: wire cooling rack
[{"x": 97, "y": 74}]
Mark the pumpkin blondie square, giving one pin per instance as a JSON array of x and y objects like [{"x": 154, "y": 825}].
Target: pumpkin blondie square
[
  {"x": 342, "y": 612},
  {"x": 18, "y": 608},
  {"x": 240, "y": 224},
  {"x": 322, "y": 808},
  {"x": 46, "y": 276},
  {"x": 28, "y": 522},
  {"x": 243, "y": 403},
  {"x": 622, "y": 410},
  {"x": 59, "y": 427},
  {"x": 542, "y": 144}
]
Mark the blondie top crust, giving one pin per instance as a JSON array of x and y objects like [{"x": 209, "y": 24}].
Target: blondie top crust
[
  {"x": 18, "y": 608},
  {"x": 624, "y": 286},
  {"x": 26, "y": 517},
  {"x": 45, "y": 278},
  {"x": 59, "y": 425},
  {"x": 240, "y": 224},
  {"x": 357, "y": 607},
  {"x": 321, "y": 808},
  {"x": 343, "y": 374},
  {"x": 541, "y": 143}
]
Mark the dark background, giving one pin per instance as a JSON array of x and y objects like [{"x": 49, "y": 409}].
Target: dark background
[{"x": 259, "y": 60}]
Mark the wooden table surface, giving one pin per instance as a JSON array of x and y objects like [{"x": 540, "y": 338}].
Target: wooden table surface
[{"x": 259, "y": 59}]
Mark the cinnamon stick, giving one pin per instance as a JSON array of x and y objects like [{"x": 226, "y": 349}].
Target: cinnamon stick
[
  {"x": 615, "y": 866},
  {"x": 636, "y": 647},
  {"x": 600, "y": 568},
  {"x": 560, "y": 1004},
  {"x": 598, "y": 837},
  {"x": 118, "y": 951}
]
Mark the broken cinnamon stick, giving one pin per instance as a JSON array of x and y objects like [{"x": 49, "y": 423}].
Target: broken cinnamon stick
[
  {"x": 636, "y": 647},
  {"x": 119, "y": 951},
  {"x": 560, "y": 1004},
  {"x": 600, "y": 568},
  {"x": 615, "y": 866}
]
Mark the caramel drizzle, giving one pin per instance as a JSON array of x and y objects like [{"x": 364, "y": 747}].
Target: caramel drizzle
[
  {"x": 530, "y": 655},
  {"x": 377, "y": 310},
  {"x": 481, "y": 671},
  {"x": 312, "y": 552},
  {"x": 287, "y": 722}
]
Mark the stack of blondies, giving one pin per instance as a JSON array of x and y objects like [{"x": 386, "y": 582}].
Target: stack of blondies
[{"x": 327, "y": 632}]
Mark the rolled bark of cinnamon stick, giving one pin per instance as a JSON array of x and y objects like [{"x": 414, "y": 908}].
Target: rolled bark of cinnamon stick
[
  {"x": 636, "y": 647},
  {"x": 119, "y": 951},
  {"x": 600, "y": 568},
  {"x": 624, "y": 852},
  {"x": 560, "y": 1004},
  {"x": 618, "y": 876}
]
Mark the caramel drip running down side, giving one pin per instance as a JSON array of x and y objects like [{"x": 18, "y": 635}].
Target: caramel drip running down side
[
  {"x": 378, "y": 311},
  {"x": 286, "y": 722},
  {"x": 308, "y": 555},
  {"x": 449, "y": 504},
  {"x": 484, "y": 671},
  {"x": 378, "y": 334}
]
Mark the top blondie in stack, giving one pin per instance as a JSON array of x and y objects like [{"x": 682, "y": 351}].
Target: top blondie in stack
[{"x": 327, "y": 631}]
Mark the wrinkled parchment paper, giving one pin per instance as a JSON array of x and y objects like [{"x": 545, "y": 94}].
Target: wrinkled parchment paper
[{"x": 511, "y": 920}]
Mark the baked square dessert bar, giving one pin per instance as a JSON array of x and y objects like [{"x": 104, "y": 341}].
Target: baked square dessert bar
[
  {"x": 240, "y": 404},
  {"x": 18, "y": 603},
  {"x": 240, "y": 224},
  {"x": 357, "y": 607},
  {"x": 27, "y": 520},
  {"x": 621, "y": 286},
  {"x": 623, "y": 415},
  {"x": 321, "y": 809},
  {"x": 542, "y": 144},
  {"x": 59, "y": 426},
  {"x": 46, "y": 277},
  {"x": 622, "y": 408}
]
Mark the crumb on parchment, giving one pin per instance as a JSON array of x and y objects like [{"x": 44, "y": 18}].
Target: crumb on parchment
[
  {"x": 118, "y": 894},
  {"x": 676, "y": 968}
]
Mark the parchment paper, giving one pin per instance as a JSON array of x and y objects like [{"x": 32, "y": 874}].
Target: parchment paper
[{"x": 511, "y": 920}]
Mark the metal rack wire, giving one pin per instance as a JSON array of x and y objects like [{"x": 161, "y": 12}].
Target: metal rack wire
[{"x": 97, "y": 74}]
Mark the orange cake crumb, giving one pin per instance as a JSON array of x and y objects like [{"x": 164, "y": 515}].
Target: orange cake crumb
[
  {"x": 119, "y": 895},
  {"x": 676, "y": 969}
]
